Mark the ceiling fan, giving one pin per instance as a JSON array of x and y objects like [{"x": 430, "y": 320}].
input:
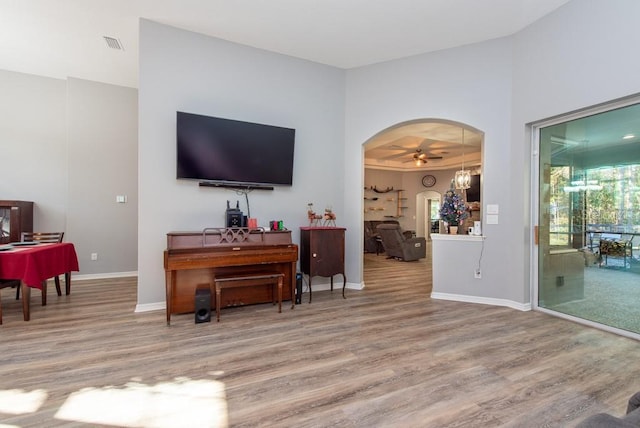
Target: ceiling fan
[{"x": 421, "y": 158}]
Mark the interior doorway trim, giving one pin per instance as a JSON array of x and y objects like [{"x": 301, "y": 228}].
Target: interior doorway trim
[{"x": 422, "y": 211}]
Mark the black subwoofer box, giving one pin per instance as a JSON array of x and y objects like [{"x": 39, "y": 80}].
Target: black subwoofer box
[
  {"x": 203, "y": 305},
  {"x": 298, "y": 288}
]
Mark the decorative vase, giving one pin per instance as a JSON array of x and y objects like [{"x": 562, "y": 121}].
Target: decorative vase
[{"x": 453, "y": 230}]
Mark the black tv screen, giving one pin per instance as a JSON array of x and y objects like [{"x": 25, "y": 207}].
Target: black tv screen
[
  {"x": 233, "y": 152},
  {"x": 473, "y": 192}
]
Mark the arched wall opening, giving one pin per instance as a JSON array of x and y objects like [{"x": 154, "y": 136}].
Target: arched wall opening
[{"x": 413, "y": 162}]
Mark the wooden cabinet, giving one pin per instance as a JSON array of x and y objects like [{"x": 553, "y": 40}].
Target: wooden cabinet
[
  {"x": 322, "y": 253},
  {"x": 15, "y": 217}
]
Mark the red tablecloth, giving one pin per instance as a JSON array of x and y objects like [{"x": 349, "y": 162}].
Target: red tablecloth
[{"x": 35, "y": 264}]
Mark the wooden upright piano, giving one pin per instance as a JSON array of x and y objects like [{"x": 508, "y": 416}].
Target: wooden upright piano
[{"x": 194, "y": 259}]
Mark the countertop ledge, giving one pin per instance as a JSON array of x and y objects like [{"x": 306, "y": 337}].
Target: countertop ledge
[{"x": 445, "y": 237}]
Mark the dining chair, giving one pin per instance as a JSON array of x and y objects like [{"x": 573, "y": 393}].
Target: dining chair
[{"x": 45, "y": 237}]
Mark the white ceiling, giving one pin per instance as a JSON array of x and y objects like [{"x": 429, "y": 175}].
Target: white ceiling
[
  {"x": 62, "y": 38},
  {"x": 65, "y": 38}
]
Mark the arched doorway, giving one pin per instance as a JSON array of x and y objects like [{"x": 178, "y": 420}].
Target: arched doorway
[
  {"x": 416, "y": 157},
  {"x": 427, "y": 207}
]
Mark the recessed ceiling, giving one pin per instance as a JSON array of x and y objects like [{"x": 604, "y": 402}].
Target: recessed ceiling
[
  {"x": 424, "y": 145},
  {"x": 62, "y": 38}
]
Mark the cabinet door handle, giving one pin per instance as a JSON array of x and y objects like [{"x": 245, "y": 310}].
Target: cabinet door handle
[{"x": 315, "y": 255}]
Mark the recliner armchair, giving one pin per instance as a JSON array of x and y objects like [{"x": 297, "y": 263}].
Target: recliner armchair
[
  {"x": 396, "y": 244},
  {"x": 605, "y": 420},
  {"x": 371, "y": 234}
]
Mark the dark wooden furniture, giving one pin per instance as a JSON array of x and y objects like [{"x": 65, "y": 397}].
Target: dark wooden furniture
[
  {"x": 198, "y": 258},
  {"x": 15, "y": 217},
  {"x": 41, "y": 237},
  {"x": 258, "y": 279},
  {"x": 32, "y": 265},
  {"x": 322, "y": 253}
]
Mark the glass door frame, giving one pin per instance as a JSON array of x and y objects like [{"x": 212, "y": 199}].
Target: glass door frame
[{"x": 533, "y": 132}]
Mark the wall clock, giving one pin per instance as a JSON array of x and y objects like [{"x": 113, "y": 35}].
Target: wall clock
[{"x": 428, "y": 181}]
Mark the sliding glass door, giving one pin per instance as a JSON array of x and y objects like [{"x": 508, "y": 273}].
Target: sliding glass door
[{"x": 589, "y": 218}]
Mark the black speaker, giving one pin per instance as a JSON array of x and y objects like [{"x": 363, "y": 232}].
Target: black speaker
[
  {"x": 234, "y": 217},
  {"x": 298, "y": 288},
  {"x": 203, "y": 305}
]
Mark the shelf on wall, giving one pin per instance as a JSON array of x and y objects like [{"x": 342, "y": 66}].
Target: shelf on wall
[{"x": 394, "y": 203}]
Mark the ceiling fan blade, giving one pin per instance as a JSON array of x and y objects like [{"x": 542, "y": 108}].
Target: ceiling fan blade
[{"x": 394, "y": 154}]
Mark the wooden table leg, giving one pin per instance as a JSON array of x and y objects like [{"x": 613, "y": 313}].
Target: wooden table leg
[
  {"x": 67, "y": 283},
  {"x": 292, "y": 284},
  {"x": 169, "y": 282},
  {"x": 280, "y": 294},
  {"x": 26, "y": 297},
  {"x": 218, "y": 296},
  {"x": 344, "y": 284},
  {"x": 56, "y": 280},
  {"x": 44, "y": 293}
]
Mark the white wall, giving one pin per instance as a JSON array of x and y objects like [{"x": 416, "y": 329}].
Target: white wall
[
  {"x": 33, "y": 146},
  {"x": 185, "y": 71},
  {"x": 582, "y": 54},
  {"x": 103, "y": 163},
  {"x": 70, "y": 146},
  {"x": 471, "y": 85}
]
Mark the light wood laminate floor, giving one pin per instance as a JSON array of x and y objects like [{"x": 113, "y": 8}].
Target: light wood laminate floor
[{"x": 387, "y": 356}]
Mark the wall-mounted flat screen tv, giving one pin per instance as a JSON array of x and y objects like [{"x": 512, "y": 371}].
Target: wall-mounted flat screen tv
[
  {"x": 473, "y": 192},
  {"x": 226, "y": 151}
]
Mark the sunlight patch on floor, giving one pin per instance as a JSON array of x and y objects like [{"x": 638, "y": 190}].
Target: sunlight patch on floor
[
  {"x": 18, "y": 402},
  {"x": 182, "y": 402}
]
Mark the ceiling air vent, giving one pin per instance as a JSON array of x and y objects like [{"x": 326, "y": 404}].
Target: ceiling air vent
[{"x": 113, "y": 43}]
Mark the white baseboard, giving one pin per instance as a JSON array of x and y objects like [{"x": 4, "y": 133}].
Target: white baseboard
[
  {"x": 337, "y": 285},
  {"x": 148, "y": 307},
  {"x": 482, "y": 300},
  {"x": 104, "y": 275}
]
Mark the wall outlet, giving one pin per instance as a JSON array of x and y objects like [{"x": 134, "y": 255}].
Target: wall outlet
[
  {"x": 477, "y": 273},
  {"x": 94, "y": 256}
]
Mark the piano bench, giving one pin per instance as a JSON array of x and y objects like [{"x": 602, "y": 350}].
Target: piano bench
[{"x": 249, "y": 280}]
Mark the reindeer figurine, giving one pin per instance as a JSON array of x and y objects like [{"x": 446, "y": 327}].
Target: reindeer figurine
[
  {"x": 329, "y": 217},
  {"x": 311, "y": 214}
]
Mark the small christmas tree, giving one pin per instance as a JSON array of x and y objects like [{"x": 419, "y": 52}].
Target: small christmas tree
[{"x": 453, "y": 209}]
